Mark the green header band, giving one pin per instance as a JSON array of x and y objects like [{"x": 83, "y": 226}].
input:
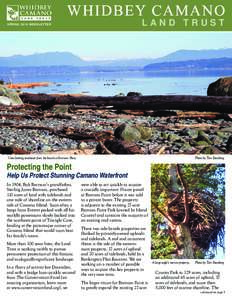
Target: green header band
[{"x": 118, "y": 15}]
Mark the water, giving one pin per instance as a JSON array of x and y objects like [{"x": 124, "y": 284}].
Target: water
[{"x": 113, "y": 83}]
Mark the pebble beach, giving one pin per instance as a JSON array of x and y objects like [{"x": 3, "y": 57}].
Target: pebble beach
[{"x": 161, "y": 135}]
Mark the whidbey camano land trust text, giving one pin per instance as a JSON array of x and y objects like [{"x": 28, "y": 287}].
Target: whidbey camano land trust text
[{"x": 156, "y": 15}]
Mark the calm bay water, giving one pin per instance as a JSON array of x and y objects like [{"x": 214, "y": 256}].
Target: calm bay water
[{"x": 113, "y": 83}]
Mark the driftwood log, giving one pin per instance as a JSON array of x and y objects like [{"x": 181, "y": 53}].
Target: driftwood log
[{"x": 154, "y": 102}]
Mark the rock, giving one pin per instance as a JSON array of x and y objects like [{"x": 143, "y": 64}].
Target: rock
[
  {"x": 73, "y": 146},
  {"x": 216, "y": 150},
  {"x": 83, "y": 146},
  {"x": 222, "y": 134},
  {"x": 172, "y": 137},
  {"x": 229, "y": 144},
  {"x": 134, "y": 94},
  {"x": 164, "y": 135},
  {"x": 6, "y": 150},
  {"x": 202, "y": 143},
  {"x": 216, "y": 140},
  {"x": 187, "y": 147},
  {"x": 193, "y": 133},
  {"x": 146, "y": 132},
  {"x": 207, "y": 150},
  {"x": 127, "y": 133},
  {"x": 9, "y": 97},
  {"x": 120, "y": 95},
  {"x": 12, "y": 150},
  {"x": 203, "y": 137},
  {"x": 119, "y": 147},
  {"x": 60, "y": 109},
  {"x": 221, "y": 87},
  {"x": 132, "y": 133},
  {"x": 47, "y": 148},
  {"x": 211, "y": 150},
  {"x": 5, "y": 100}
]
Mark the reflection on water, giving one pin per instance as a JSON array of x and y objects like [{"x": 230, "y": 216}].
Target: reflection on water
[{"x": 113, "y": 83}]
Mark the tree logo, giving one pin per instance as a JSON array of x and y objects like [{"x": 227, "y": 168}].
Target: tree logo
[{"x": 12, "y": 13}]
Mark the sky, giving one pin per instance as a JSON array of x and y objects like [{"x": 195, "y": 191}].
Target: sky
[{"x": 111, "y": 45}]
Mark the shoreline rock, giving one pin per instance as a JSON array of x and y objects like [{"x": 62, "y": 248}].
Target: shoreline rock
[
  {"x": 220, "y": 87},
  {"x": 9, "y": 97}
]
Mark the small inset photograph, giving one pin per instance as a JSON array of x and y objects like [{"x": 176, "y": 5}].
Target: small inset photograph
[{"x": 187, "y": 211}]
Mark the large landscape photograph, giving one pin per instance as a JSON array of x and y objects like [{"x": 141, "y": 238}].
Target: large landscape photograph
[{"x": 116, "y": 93}]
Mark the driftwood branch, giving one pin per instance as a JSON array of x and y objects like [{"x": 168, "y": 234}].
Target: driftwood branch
[
  {"x": 104, "y": 149},
  {"x": 76, "y": 134},
  {"x": 154, "y": 102}
]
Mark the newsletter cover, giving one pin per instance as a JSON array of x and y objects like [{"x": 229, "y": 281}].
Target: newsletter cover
[{"x": 115, "y": 149}]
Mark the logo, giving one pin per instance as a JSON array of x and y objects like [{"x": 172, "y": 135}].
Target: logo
[
  {"x": 29, "y": 13},
  {"x": 12, "y": 13}
]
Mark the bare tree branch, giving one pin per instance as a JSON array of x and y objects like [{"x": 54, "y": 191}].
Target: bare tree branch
[
  {"x": 185, "y": 194},
  {"x": 175, "y": 240},
  {"x": 166, "y": 216}
]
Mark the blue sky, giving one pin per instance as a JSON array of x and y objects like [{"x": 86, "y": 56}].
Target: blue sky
[{"x": 111, "y": 45}]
